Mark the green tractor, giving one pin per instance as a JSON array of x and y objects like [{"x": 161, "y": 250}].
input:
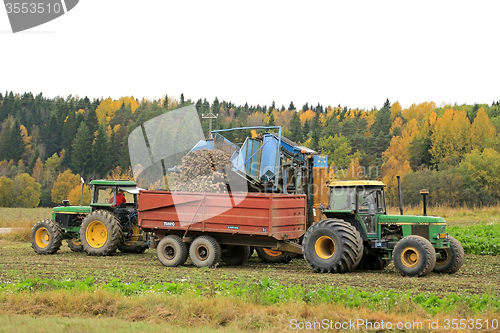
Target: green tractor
[
  {"x": 108, "y": 224},
  {"x": 358, "y": 233}
]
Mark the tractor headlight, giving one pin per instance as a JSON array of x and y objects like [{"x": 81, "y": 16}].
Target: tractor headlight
[{"x": 441, "y": 236}]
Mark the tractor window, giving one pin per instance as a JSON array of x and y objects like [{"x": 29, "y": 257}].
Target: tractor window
[
  {"x": 342, "y": 199},
  {"x": 371, "y": 201},
  {"x": 103, "y": 195}
]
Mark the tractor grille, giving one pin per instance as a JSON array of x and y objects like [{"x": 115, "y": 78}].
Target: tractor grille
[{"x": 420, "y": 230}]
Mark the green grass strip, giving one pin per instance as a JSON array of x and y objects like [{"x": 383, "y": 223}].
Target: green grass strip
[
  {"x": 269, "y": 292},
  {"x": 482, "y": 239}
]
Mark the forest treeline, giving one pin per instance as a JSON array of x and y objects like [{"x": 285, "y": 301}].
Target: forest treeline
[{"x": 47, "y": 144}]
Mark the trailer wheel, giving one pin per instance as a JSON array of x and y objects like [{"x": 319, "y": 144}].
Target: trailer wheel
[
  {"x": 273, "y": 256},
  {"x": 236, "y": 255},
  {"x": 75, "y": 245},
  {"x": 172, "y": 251},
  {"x": 414, "y": 256},
  {"x": 452, "y": 258},
  {"x": 46, "y": 237},
  {"x": 332, "y": 246},
  {"x": 205, "y": 251},
  {"x": 100, "y": 233}
]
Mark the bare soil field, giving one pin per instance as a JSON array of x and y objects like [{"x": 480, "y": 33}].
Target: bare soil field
[{"x": 19, "y": 262}]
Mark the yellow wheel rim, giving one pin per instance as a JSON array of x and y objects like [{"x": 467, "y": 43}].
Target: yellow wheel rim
[
  {"x": 75, "y": 242},
  {"x": 272, "y": 253},
  {"x": 135, "y": 231},
  {"x": 96, "y": 234},
  {"x": 324, "y": 247},
  {"x": 42, "y": 238},
  {"x": 410, "y": 257},
  {"x": 445, "y": 256}
]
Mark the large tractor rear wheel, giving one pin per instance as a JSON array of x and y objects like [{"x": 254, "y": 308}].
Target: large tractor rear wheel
[
  {"x": 236, "y": 255},
  {"x": 452, "y": 258},
  {"x": 205, "y": 251},
  {"x": 273, "y": 256},
  {"x": 46, "y": 237},
  {"x": 172, "y": 251},
  {"x": 414, "y": 256},
  {"x": 75, "y": 245},
  {"x": 100, "y": 233},
  {"x": 332, "y": 246}
]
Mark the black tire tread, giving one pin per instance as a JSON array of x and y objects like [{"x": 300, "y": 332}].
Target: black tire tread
[
  {"x": 74, "y": 247},
  {"x": 181, "y": 256},
  {"x": 429, "y": 252},
  {"x": 56, "y": 240},
  {"x": 284, "y": 257},
  {"x": 116, "y": 234},
  {"x": 210, "y": 241},
  {"x": 459, "y": 253},
  {"x": 351, "y": 246}
]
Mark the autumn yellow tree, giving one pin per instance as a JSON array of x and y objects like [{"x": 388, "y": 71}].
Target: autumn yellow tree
[
  {"x": 483, "y": 133},
  {"x": 107, "y": 108},
  {"x": 26, "y": 191},
  {"x": 450, "y": 138},
  {"x": 307, "y": 115},
  {"x": 397, "y": 157},
  {"x": 65, "y": 182},
  {"x": 75, "y": 195}
]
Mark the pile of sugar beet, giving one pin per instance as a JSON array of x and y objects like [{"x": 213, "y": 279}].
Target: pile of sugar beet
[{"x": 203, "y": 171}]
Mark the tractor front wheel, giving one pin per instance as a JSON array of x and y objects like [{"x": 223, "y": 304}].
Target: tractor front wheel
[
  {"x": 273, "y": 256},
  {"x": 100, "y": 233},
  {"x": 205, "y": 251},
  {"x": 75, "y": 245},
  {"x": 332, "y": 246},
  {"x": 452, "y": 258},
  {"x": 172, "y": 251},
  {"x": 414, "y": 256},
  {"x": 46, "y": 237}
]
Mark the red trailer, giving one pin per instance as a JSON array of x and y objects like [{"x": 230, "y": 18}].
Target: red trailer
[{"x": 220, "y": 225}]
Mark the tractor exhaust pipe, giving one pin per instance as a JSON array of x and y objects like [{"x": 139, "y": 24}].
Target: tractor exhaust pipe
[
  {"x": 424, "y": 196},
  {"x": 400, "y": 196},
  {"x": 83, "y": 184}
]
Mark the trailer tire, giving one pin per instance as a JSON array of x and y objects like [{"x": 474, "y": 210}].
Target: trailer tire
[
  {"x": 273, "y": 256},
  {"x": 414, "y": 256},
  {"x": 205, "y": 251},
  {"x": 100, "y": 233},
  {"x": 332, "y": 246},
  {"x": 454, "y": 258},
  {"x": 75, "y": 245},
  {"x": 172, "y": 251},
  {"x": 236, "y": 255},
  {"x": 46, "y": 237}
]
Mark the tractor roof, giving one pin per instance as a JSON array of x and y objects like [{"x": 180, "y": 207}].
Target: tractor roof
[
  {"x": 353, "y": 183},
  {"x": 113, "y": 182}
]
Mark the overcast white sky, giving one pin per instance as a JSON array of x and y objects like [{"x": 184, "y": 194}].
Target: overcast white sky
[{"x": 354, "y": 53}]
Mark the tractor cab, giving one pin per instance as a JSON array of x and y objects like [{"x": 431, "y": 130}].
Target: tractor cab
[
  {"x": 363, "y": 201},
  {"x": 106, "y": 194}
]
